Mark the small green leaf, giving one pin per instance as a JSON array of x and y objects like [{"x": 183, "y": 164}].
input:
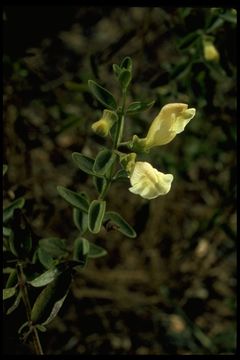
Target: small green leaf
[
  {"x": 126, "y": 63},
  {"x": 188, "y": 40},
  {"x": 41, "y": 327},
  {"x": 45, "y": 259},
  {"x": 47, "y": 277},
  {"x": 95, "y": 215},
  {"x": 181, "y": 70},
  {"x": 116, "y": 221},
  {"x": 6, "y": 231},
  {"x": 96, "y": 251},
  {"x": 138, "y": 106},
  {"x": 102, "y": 95},
  {"x": 9, "y": 210},
  {"x": 116, "y": 69},
  {"x": 20, "y": 240},
  {"x": 80, "y": 219},
  {"x": 73, "y": 198},
  {"x": 121, "y": 175},
  {"x": 9, "y": 292},
  {"x": 5, "y": 167},
  {"x": 84, "y": 162},
  {"x": 12, "y": 279},
  {"x": 15, "y": 304},
  {"x": 103, "y": 162},
  {"x": 51, "y": 298},
  {"x": 53, "y": 246},
  {"x": 100, "y": 184},
  {"x": 125, "y": 78},
  {"x": 81, "y": 250}
]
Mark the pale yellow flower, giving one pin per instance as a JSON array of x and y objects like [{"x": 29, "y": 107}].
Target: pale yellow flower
[
  {"x": 148, "y": 182},
  {"x": 171, "y": 121}
]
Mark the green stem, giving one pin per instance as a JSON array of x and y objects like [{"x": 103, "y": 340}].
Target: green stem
[
  {"x": 117, "y": 141},
  {"x": 25, "y": 297}
]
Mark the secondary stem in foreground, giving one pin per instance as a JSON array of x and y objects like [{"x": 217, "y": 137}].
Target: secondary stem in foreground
[{"x": 25, "y": 297}]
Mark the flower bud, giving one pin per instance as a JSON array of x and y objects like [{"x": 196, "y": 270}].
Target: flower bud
[
  {"x": 103, "y": 126},
  {"x": 210, "y": 51}
]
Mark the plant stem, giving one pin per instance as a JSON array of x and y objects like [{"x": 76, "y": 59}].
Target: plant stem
[
  {"x": 117, "y": 141},
  {"x": 25, "y": 297}
]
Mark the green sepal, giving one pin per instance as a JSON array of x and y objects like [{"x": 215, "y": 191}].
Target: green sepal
[
  {"x": 95, "y": 215},
  {"x": 85, "y": 163},
  {"x": 77, "y": 200},
  {"x": 113, "y": 220},
  {"x": 102, "y": 95}
]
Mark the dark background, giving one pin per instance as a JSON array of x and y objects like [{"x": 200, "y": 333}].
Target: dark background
[{"x": 172, "y": 289}]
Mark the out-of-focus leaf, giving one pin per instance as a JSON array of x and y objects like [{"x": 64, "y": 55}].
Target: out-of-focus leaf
[
  {"x": 9, "y": 292},
  {"x": 9, "y": 210}
]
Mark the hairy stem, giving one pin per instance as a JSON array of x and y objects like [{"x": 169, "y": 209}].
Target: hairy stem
[{"x": 25, "y": 297}]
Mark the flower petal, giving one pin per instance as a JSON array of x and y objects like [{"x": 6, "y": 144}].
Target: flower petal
[{"x": 148, "y": 182}]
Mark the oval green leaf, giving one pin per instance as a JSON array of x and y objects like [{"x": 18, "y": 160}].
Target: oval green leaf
[
  {"x": 45, "y": 258},
  {"x": 81, "y": 250},
  {"x": 54, "y": 246},
  {"x": 138, "y": 106},
  {"x": 119, "y": 224},
  {"x": 102, "y": 95},
  {"x": 47, "y": 277},
  {"x": 9, "y": 210},
  {"x": 84, "y": 162},
  {"x": 75, "y": 199},
  {"x": 51, "y": 298},
  {"x": 96, "y": 251},
  {"x": 104, "y": 160},
  {"x": 126, "y": 63},
  {"x": 95, "y": 215},
  {"x": 9, "y": 292},
  {"x": 125, "y": 78},
  {"x": 100, "y": 184},
  {"x": 80, "y": 220}
]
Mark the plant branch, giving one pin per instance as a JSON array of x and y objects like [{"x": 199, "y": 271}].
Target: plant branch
[{"x": 25, "y": 297}]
